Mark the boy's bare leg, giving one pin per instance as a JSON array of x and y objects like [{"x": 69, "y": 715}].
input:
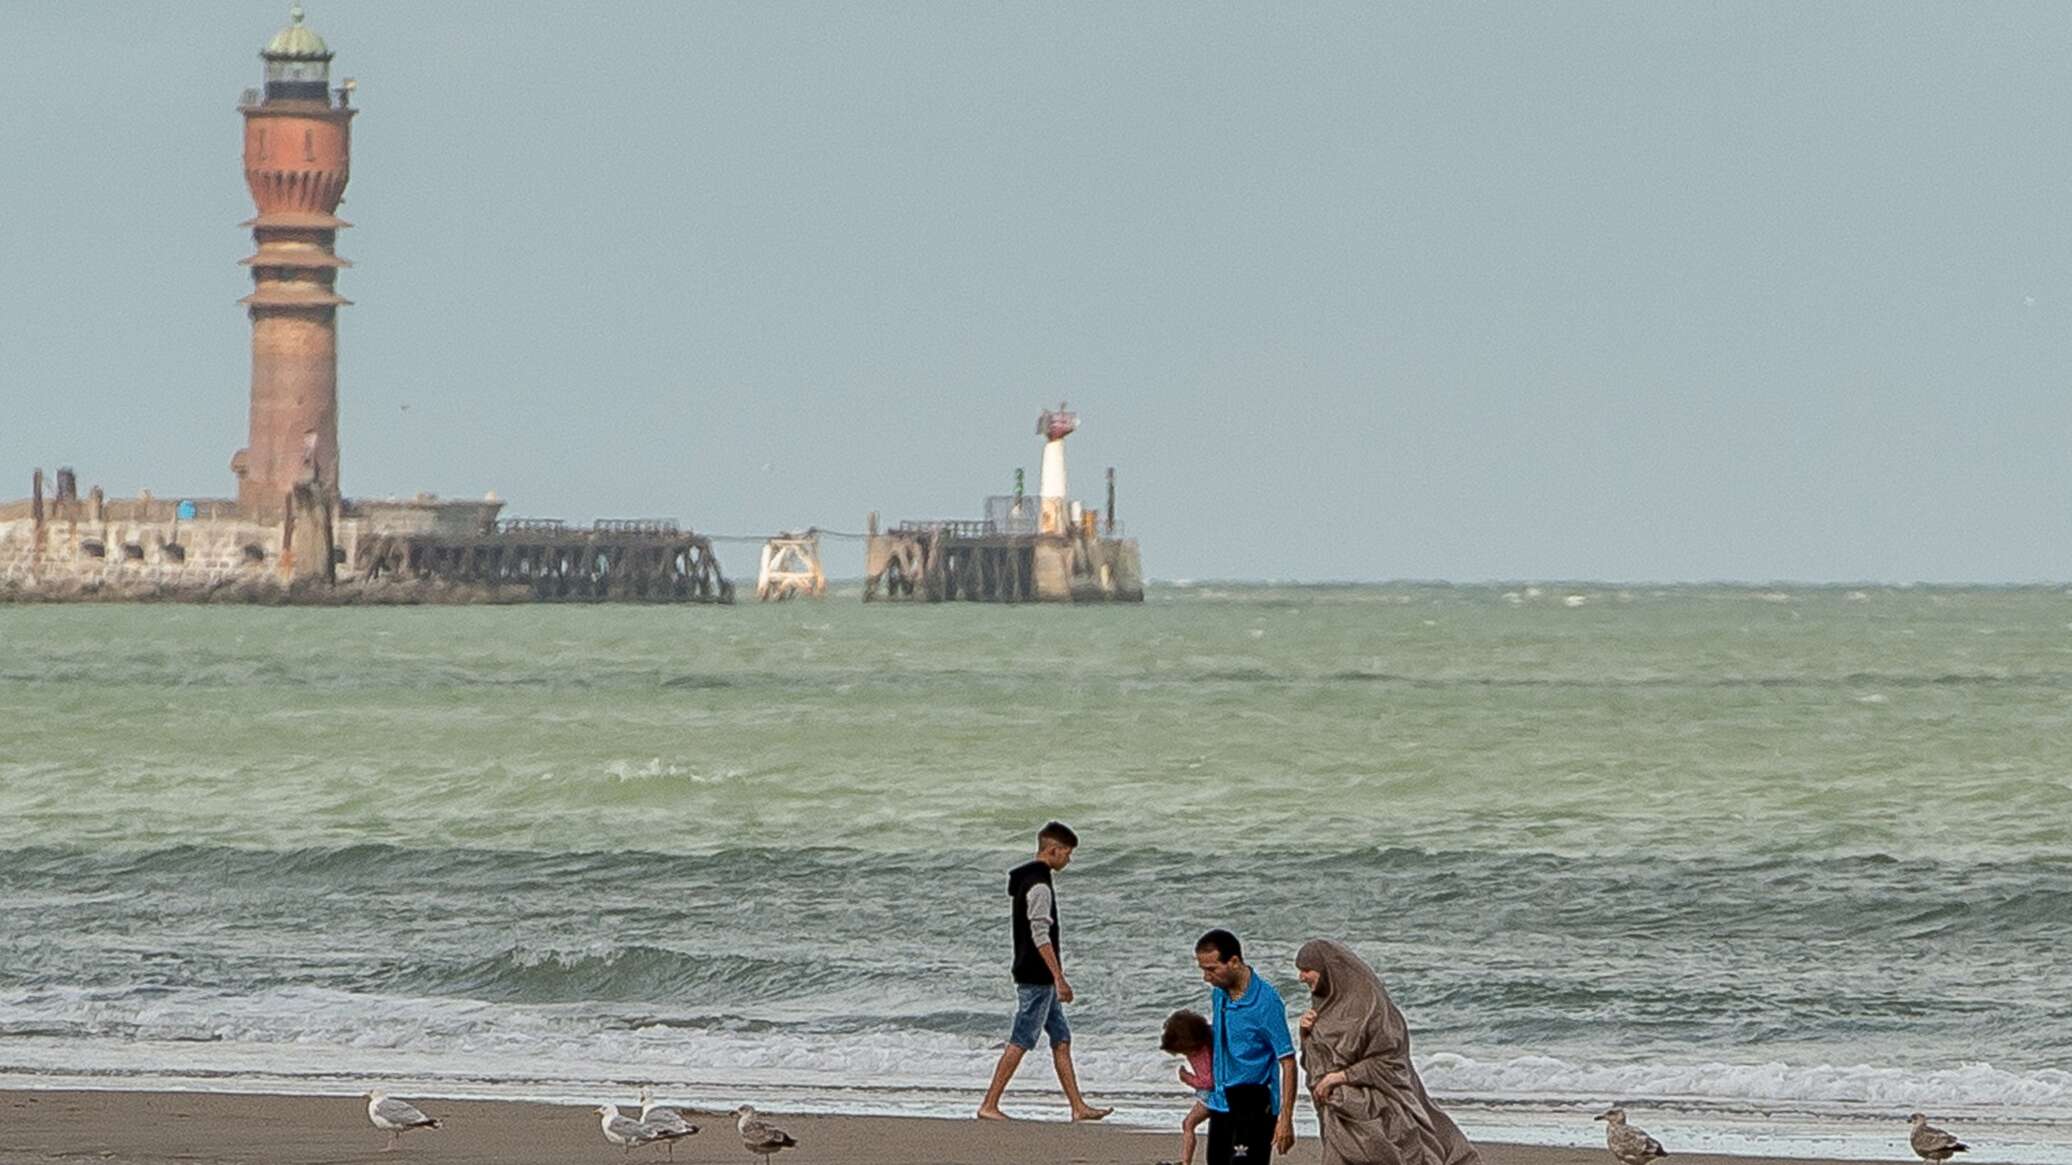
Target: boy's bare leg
[
  {"x": 1061, "y": 1057},
  {"x": 1010, "y": 1059}
]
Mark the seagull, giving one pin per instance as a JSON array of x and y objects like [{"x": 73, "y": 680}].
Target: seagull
[
  {"x": 656, "y": 1114},
  {"x": 1931, "y": 1143},
  {"x": 1632, "y": 1146},
  {"x": 757, "y": 1137},
  {"x": 395, "y": 1117},
  {"x": 625, "y": 1131},
  {"x": 668, "y": 1121}
]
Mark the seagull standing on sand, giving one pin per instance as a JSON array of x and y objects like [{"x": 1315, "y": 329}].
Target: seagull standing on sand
[
  {"x": 395, "y": 1117},
  {"x": 657, "y": 1114},
  {"x": 757, "y": 1137},
  {"x": 1931, "y": 1143},
  {"x": 665, "y": 1120},
  {"x": 1631, "y": 1145},
  {"x": 625, "y": 1131}
]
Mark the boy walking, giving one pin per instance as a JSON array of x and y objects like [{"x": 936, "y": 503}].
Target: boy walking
[{"x": 1040, "y": 987}]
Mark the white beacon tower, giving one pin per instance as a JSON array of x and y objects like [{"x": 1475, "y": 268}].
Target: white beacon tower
[{"x": 1054, "y": 426}]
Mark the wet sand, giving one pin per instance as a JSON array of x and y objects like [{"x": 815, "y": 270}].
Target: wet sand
[{"x": 162, "y": 1128}]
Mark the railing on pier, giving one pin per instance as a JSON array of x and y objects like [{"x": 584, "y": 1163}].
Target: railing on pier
[
  {"x": 634, "y": 526},
  {"x": 948, "y": 528},
  {"x": 1007, "y": 516},
  {"x": 1014, "y": 513}
]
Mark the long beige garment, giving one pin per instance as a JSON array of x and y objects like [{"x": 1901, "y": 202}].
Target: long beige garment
[{"x": 1381, "y": 1115}]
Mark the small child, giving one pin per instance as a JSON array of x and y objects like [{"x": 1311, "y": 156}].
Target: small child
[{"x": 1187, "y": 1034}]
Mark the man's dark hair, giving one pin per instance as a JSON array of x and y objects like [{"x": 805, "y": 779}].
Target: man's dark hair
[
  {"x": 1222, "y": 942},
  {"x": 1185, "y": 1031},
  {"x": 1059, "y": 832}
]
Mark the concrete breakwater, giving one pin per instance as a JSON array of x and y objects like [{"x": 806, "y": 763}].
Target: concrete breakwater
[{"x": 68, "y": 548}]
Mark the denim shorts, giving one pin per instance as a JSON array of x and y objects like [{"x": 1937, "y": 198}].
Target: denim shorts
[{"x": 1036, "y": 1008}]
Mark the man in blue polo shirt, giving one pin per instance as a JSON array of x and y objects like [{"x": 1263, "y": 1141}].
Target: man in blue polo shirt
[{"x": 1252, "y": 1106}]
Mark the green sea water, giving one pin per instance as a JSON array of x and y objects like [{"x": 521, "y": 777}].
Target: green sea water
[{"x": 1725, "y": 849}]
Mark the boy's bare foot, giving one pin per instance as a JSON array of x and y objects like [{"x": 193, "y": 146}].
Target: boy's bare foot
[
  {"x": 992, "y": 1114},
  {"x": 1090, "y": 1113}
]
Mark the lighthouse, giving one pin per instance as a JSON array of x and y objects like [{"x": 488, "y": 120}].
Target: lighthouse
[
  {"x": 1054, "y": 425},
  {"x": 298, "y": 147},
  {"x": 1058, "y": 554}
]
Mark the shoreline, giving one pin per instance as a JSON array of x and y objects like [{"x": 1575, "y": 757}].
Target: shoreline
[{"x": 164, "y": 1127}]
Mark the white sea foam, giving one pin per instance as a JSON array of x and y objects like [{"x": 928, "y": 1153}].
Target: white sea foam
[
  {"x": 285, "y": 1031},
  {"x": 2046, "y": 1092}
]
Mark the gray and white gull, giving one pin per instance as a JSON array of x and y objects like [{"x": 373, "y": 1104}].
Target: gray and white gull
[
  {"x": 759, "y": 1136},
  {"x": 394, "y": 1117},
  {"x": 624, "y": 1131},
  {"x": 1931, "y": 1143},
  {"x": 669, "y": 1121},
  {"x": 1630, "y": 1144}
]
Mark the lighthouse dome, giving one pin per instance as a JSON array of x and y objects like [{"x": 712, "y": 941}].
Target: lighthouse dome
[
  {"x": 298, "y": 62},
  {"x": 296, "y": 42}
]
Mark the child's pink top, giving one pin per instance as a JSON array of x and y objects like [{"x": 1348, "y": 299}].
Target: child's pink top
[{"x": 1201, "y": 1069}]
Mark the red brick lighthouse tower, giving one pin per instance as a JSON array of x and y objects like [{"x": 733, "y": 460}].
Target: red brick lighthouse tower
[{"x": 298, "y": 144}]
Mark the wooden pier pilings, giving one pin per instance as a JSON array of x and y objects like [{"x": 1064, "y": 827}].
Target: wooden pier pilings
[
  {"x": 967, "y": 562},
  {"x": 548, "y": 562}
]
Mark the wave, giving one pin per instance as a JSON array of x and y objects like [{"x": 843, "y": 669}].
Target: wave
[
  {"x": 1971, "y": 1085},
  {"x": 1950, "y": 900},
  {"x": 501, "y": 864},
  {"x": 453, "y": 952},
  {"x": 1853, "y": 680},
  {"x": 304, "y": 1031},
  {"x": 606, "y": 973}
]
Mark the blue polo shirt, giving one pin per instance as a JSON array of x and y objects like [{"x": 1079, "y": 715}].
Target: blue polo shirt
[{"x": 1251, "y": 1036}]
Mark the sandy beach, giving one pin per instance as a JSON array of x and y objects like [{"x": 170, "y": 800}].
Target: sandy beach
[{"x": 149, "y": 1128}]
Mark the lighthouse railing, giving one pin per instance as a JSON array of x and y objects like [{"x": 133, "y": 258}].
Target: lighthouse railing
[{"x": 1014, "y": 513}]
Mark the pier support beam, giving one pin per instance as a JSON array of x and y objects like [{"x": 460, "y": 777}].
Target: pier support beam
[{"x": 791, "y": 568}]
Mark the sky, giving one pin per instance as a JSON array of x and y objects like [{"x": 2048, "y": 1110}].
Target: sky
[{"x": 1467, "y": 291}]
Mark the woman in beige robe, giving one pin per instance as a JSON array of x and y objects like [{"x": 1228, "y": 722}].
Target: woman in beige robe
[{"x": 1356, "y": 1053}]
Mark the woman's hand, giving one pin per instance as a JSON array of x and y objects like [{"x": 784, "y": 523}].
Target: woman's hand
[
  {"x": 1320, "y": 1090},
  {"x": 1308, "y": 1021}
]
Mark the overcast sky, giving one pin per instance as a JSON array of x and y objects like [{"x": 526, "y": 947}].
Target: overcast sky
[{"x": 1613, "y": 291}]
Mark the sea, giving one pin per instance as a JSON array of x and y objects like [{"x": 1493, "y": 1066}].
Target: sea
[{"x": 1770, "y": 866}]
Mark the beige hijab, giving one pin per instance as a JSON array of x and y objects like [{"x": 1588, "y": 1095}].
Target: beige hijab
[{"x": 1381, "y": 1115}]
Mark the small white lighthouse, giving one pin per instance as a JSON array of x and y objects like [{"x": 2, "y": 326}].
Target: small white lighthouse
[
  {"x": 1054, "y": 551},
  {"x": 1054, "y": 426}
]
